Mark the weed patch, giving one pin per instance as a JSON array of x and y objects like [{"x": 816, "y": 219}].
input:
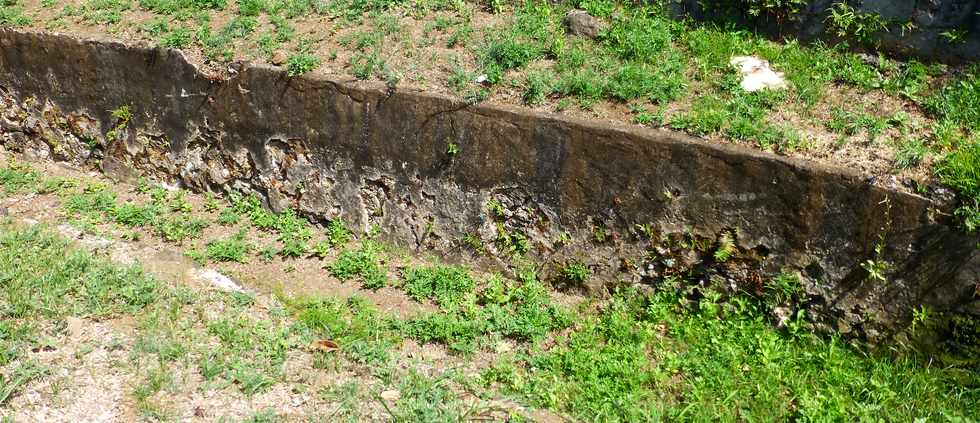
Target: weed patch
[
  {"x": 443, "y": 284},
  {"x": 646, "y": 359},
  {"x": 363, "y": 334},
  {"x": 363, "y": 263},
  {"x": 234, "y": 248}
]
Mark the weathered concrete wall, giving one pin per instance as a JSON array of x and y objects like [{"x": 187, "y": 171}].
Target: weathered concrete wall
[
  {"x": 930, "y": 19},
  {"x": 377, "y": 156}
]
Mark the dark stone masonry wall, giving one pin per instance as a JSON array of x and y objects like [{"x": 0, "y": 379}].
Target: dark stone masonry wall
[
  {"x": 929, "y": 19},
  {"x": 375, "y": 156}
]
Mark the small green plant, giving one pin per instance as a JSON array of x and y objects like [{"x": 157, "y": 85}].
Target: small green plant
[
  {"x": 300, "y": 63},
  {"x": 294, "y": 246},
  {"x": 228, "y": 217},
  {"x": 846, "y": 21},
  {"x": 240, "y": 26},
  {"x": 268, "y": 253},
  {"x": 495, "y": 208},
  {"x": 364, "y": 65},
  {"x": 131, "y": 214},
  {"x": 122, "y": 114},
  {"x": 179, "y": 203},
  {"x": 954, "y": 36},
  {"x": 920, "y": 317},
  {"x": 475, "y": 243},
  {"x": 363, "y": 263},
  {"x": 452, "y": 149},
  {"x": 599, "y": 234},
  {"x": 783, "y": 289},
  {"x": 104, "y": 11},
  {"x": 178, "y": 38},
  {"x": 179, "y": 228},
  {"x": 876, "y": 267},
  {"x": 234, "y": 248},
  {"x": 539, "y": 87},
  {"x": 337, "y": 232},
  {"x": 910, "y": 154},
  {"x": 575, "y": 272},
  {"x": 726, "y": 247},
  {"x": 443, "y": 284},
  {"x": 211, "y": 203},
  {"x": 512, "y": 242}
]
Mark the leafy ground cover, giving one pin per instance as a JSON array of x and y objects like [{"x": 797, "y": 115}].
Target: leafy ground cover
[
  {"x": 913, "y": 122},
  {"x": 463, "y": 345}
]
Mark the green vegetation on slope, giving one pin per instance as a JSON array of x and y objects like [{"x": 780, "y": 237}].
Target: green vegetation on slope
[{"x": 631, "y": 358}]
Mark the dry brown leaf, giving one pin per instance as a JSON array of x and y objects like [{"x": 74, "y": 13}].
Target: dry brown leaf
[{"x": 325, "y": 345}]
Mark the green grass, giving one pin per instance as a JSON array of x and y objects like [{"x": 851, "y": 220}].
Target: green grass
[
  {"x": 104, "y": 11},
  {"x": 178, "y": 38},
  {"x": 42, "y": 280},
  {"x": 363, "y": 334},
  {"x": 960, "y": 170},
  {"x": 643, "y": 359},
  {"x": 251, "y": 351},
  {"x": 181, "y": 8},
  {"x": 43, "y": 277},
  {"x": 425, "y": 398},
  {"x": 13, "y": 15},
  {"x": 959, "y": 102},
  {"x": 503, "y": 309},
  {"x": 17, "y": 178}
]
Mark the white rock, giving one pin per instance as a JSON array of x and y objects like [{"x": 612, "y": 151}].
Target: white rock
[
  {"x": 391, "y": 395},
  {"x": 481, "y": 79},
  {"x": 217, "y": 280},
  {"x": 169, "y": 187},
  {"x": 757, "y": 75}
]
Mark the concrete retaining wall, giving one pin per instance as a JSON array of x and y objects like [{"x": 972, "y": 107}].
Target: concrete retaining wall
[{"x": 375, "y": 156}]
